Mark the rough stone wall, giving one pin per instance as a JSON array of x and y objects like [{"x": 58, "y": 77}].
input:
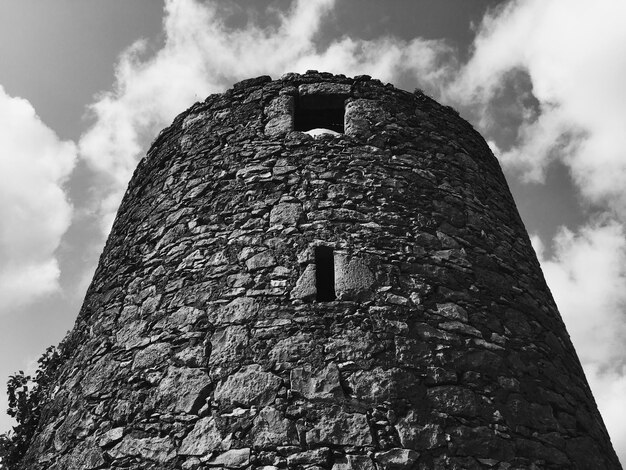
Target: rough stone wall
[{"x": 201, "y": 345}]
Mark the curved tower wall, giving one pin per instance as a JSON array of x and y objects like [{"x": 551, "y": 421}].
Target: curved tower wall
[{"x": 354, "y": 301}]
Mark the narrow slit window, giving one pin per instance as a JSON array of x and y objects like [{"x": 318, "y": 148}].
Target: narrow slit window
[
  {"x": 319, "y": 112},
  {"x": 324, "y": 274}
]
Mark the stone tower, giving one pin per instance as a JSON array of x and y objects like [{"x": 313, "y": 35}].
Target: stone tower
[{"x": 360, "y": 298}]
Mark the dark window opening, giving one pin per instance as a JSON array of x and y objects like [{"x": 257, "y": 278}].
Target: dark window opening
[
  {"x": 324, "y": 274},
  {"x": 319, "y": 111}
]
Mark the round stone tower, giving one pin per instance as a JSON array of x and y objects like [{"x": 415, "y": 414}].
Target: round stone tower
[{"x": 359, "y": 297}]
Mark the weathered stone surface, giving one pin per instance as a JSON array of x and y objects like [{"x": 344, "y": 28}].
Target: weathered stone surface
[
  {"x": 538, "y": 451},
  {"x": 354, "y": 345},
  {"x": 155, "y": 449},
  {"x": 98, "y": 379},
  {"x": 324, "y": 88},
  {"x": 353, "y": 462},
  {"x": 361, "y": 116},
  {"x": 272, "y": 428},
  {"x": 411, "y": 352},
  {"x": 292, "y": 349},
  {"x": 237, "y": 311},
  {"x": 264, "y": 259},
  {"x": 111, "y": 436},
  {"x": 584, "y": 451},
  {"x": 280, "y": 113},
  {"x": 459, "y": 327},
  {"x": 322, "y": 384},
  {"x": 130, "y": 336},
  {"x": 287, "y": 214},
  {"x": 318, "y": 456},
  {"x": 250, "y": 386},
  {"x": 482, "y": 442},
  {"x": 305, "y": 288},
  {"x": 376, "y": 385},
  {"x": 229, "y": 343},
  {"x": 453, "y": 399},
  {"x": 181, "y": 388},
  {"x": 203, "y": 439},
  {"x": 339, "y": 427},
  {"x": 67, "y": 431},
  {"x": 182, "y": 319},
  {"x": 414, "y": 435},
  {"x": 85, "y": 456},
  {"x": 396, "y": 459},
  {"x": 267, "y": 299},
  {"x": 353, "y": 278},
  {"x": 452, "y": 311},
  {"x": 520, "y": 413},
  {"x": 234, "y": 458},
  {"x": 151, "y": 356}
]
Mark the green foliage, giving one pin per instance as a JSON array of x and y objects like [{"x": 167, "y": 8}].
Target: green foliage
[{"x": 27, "y": 397}]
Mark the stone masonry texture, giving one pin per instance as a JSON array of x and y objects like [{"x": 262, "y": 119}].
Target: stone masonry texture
[{"x": 203, "y": 342}]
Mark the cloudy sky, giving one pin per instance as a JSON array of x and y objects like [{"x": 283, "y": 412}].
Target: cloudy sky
[{"x": 86, "y": 85}]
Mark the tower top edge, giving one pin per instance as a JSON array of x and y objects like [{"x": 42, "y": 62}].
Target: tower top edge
[{"x": 314, "y": 76}]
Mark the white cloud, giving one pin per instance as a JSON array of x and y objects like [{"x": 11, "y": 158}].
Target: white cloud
[
  {"x": 574, "y": 52},
  {"x": 34, "y": 209},
  {"x": 587, "y": 276},
  {"x": 201, "y": 56}
]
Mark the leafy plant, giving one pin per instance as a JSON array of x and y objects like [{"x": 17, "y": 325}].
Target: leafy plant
[{"x": 27, "y": 397}]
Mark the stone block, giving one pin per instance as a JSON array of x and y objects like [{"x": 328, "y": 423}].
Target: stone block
[
  {"x": 396, "y": 459},
  {"x": 318, "y": 456},
  {"x": 272, "y": 428},
  {"x": 292, "y": 349},
  {"x": 156, "y": 449},
  {"x": 237, "y": 311},
  {"x": 324, "y": 88},
  {"x": 182, "y": 319},
  {"x": 204, "y": 438},
  {"x": 480, "y": 442},
  {"x": 181, "y": 388},
  {"x": 305, "y": 288},
  {"x": 85, "y": 456},
  {"x": 322, "y": 384},
  {"x": 375, "y": 386},
  {"x": 360, "y": 117},
  {"x": 452, "y": 311},
  {"x": 338, "y": 427},
  {"x": 286, "y": 213},
  {"x": 354, "y": 345},
  {"x": 353, "y": 462},
  {"x": 250, "y": 386},
  {"x": 280, "y": 113},
  {"x": 111, "y": 436},
  {"x": 228, "y": 346},
  {"x": 453, "y": 400},
  {"x": 234, "y": 458},
  {"x": 419, "y": 436},
  {"x": 538, "y": 451},
  {"x": 353, "y": 278},
  {"x": 151, "y": 356},
  {"x": 265, "y": 259}
]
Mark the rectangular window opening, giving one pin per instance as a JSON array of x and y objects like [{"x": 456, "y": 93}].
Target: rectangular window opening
[
  {"x": 324, "y": 274},
  {"x": 319, "y": 112}
]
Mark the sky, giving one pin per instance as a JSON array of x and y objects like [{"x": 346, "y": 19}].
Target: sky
[{"x": 86, "y": 85}]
